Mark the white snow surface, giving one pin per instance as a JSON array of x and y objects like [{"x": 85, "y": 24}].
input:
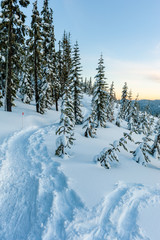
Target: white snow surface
[{"x": 43, "y": 197}]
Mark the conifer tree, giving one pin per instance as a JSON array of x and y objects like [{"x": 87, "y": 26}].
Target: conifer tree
[
  {"x": 26, "y": 86},
  {"x": 90, "y": 87},
  {"x": 89, "y": 125},
  {"x": 129, "y": 106},
  {"x": 53, "y": 78},
  {"x": 155, "y": 148},
  {"x": 124, "y": 101},
  {"x": 59, "y": 64},
  {"x": 142, "y": 151},
  {"x": 67, "y": 122},
  {"x": 157, "y": 126},
  {"x": 76, "y": 88},
  {"x": 66, "y": 60},
  {"x": 110, "y": 103},
  {"x": 13, "y": 30},
  {"x": 48, "y": 63},
  {"x": 34, "y": 43},
  {"x": 100, "y": 95}
]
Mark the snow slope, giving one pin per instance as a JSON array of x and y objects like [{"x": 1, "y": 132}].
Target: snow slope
[{"x": 45, "y": 197}]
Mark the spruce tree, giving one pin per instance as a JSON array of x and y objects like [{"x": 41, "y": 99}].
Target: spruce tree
[
  {"x": 89, "y": 125},
  {"x": 66, "y": 60},
  {"x": 26, "y": 85},
  {"x": 48, "y": 64},
  {"x": 100, "y": 95},
  {"x": 155, "y": 148},
  {"x": 110, "y": 103},
  {"x": 12, "y": 29},
  {"x": 34, "y": 43},
  {"x": 67, "y": 122},
  {"x": 124, "y": 101},
  {"x": 76, "y": 87}
]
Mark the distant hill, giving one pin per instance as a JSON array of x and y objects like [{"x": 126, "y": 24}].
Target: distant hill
[{"x": 153, "y": 104}]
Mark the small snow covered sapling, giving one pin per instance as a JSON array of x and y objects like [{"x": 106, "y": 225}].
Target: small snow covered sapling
[
  {"x": 108, "y": 155},
  {"x": 90, "y": 127},
  {"x": 140, "y": 155},
  {"x": 155, "y": 149}
]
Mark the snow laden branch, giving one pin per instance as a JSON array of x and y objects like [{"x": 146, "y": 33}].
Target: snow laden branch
[{"x": 108, "y": 155}]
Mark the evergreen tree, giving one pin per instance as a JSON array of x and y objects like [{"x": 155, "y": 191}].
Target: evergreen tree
[
  {"x": 12, "y": 31},
  {"x": 90, "y": 87},
  {"x": 129, "y": 106},
  {"x": 59, "y": 62},
  {"x": 67, "y": 122},
  {"x": 110, "y": 103},
  {"x": 53, "y": 78},
  {"x": 89, "y": 125},
  {"x": 141, "y": 153},
  {"x": 26, "y": 86},
  {"x": 48, "y": 64},
  {"x": 66, "y": 60},
  {"x": 155, "y": 148},
  {"x": 100, "y": 95},
  {"x": 124, "y": 101},
  {"x": 157, "y": 126},
  {"x": 34, "y": 43},
  {"x": 133, "y": 118},
  {"x": 76, "y": 88}
]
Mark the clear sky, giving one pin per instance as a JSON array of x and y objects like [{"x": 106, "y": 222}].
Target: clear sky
[{"x": 127, "y": 32}]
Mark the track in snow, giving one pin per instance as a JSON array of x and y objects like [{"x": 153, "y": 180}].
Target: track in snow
[{"x": 36, "y": 202}]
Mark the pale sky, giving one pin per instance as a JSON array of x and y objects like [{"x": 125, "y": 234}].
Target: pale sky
[{"x": 127, "y": 32}]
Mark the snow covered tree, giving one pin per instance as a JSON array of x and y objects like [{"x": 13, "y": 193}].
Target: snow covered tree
[
  {"x": 90, "y": 87},
  {"x": 157, "y": 126},
  {"x": 142, "y": 151},
  {"x": 108, "y": 155},
  {"x": 66, "y": 60},
  {"x": 124, "y": 101},
  {"x": 67, "y": 122},
  {"x": 48, "y": 63},
  {"x": 133, "y": 117},
  {"x": 76, "y": 88},
  {"x": 34, "y": 43},
  {"x": 110, "y": 103},
  {"x": 100, "y": 95},
  {"x": 144, "y": 123},
  {"x": 12, "y": 31},
  {"x": 59, "y": 64},
  {"x": 155, "y": 148},
  {"x": 26, "y": 86},
  {"x": 129, "y": 106},
  {"x": 89, "y": 125},
  {"x": 53, "y": 90}
]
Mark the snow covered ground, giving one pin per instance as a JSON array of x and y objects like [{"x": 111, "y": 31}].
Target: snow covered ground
[{"x": 49, "y": 198}]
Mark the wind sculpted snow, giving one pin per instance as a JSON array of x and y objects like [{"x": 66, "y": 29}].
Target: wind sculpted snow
[{"x": 43, "y": 197}]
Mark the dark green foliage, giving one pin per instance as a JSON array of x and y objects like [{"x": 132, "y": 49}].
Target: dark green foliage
[
  {"x": 100, "y": 95},
  {"x": 76, "y": 87},
  {"x": 65, "y": 130},
  {"x": 34, "y": 44},
  {"x": 12, "y": 33},
  {"x": 124, "y": 101},
  {"x": 111, "y": 103}
]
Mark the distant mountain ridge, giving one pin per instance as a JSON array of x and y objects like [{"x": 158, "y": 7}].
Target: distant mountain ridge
[{"x": 154, "y": 106}]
